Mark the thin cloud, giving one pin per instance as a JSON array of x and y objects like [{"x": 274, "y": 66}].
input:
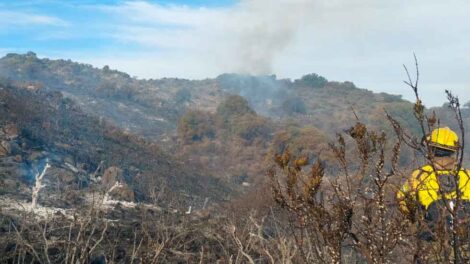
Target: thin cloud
[{"x": 12, "y": 18}]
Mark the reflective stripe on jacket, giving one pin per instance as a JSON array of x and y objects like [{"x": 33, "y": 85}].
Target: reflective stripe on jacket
[{"x": 427, "y": 186}]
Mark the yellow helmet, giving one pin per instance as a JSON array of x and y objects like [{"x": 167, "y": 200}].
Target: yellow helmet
[{"x": 444, "y": 138}]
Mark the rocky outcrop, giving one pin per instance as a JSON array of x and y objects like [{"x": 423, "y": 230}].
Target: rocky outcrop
[
  {"x": 123, "y": 193},
  {"x": 112, "y": 175},
  {"x": 11, "y": 131},
  {"x": 8, "y": 146},
  {"x": 4, "y": 151}
]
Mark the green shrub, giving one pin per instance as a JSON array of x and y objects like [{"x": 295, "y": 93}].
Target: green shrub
[
  {"x": 312, "y": 80},
  {"x": 234, "y": 106},
  {"x": 195, "y": 125},
  {"x": 250, "y": 127}
]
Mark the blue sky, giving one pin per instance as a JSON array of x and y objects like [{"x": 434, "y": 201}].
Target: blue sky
[
  {"x": 54, "y": 27},
  {"x": 363, "y": 41}
]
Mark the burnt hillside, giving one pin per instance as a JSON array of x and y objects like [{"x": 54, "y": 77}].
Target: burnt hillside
[
  {"x": 168, "y": 110},
  {"x": 54, "y": 127},
  {"x": 151, "y": 108}
]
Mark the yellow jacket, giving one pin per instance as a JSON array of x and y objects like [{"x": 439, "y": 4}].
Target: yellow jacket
[{"x": 423, "y": 185}]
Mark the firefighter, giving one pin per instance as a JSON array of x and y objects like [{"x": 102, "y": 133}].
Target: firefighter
[{"x": 436, "y": 187}]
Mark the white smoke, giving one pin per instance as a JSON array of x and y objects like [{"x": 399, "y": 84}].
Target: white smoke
[
  {"x": 264, "y": 29},
  {"x": 364, "y": 41},
  {"x": 245, "y": 38}
]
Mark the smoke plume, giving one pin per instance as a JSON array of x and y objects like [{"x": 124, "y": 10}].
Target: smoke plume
[
  {"x": 243, "y": 38},
  {"x": 265, "y": 29}
]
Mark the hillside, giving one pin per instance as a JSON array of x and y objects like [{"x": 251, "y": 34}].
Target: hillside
[
  {"x": 46, "y": 125},
  {"x": 174, "y": 170},
  {"x": 146, "y": 107},
  {"x": 154, "y": 109}
]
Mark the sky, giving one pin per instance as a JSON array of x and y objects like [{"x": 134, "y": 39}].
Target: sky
[{"x": 362, "y": 41}]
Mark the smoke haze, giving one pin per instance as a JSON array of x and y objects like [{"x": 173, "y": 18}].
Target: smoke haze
[{"x": 246, "y": 38}]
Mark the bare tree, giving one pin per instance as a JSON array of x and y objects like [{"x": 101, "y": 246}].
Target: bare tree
[{"x": 38, "y": 185}]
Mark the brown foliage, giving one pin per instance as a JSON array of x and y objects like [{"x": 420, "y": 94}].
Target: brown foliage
[
  {"x": 196, "y": 125},
  {"x": 352, "y": 216}
]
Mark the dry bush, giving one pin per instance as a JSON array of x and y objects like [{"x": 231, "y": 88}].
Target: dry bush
[
  {"x": 351, "y": 215},
  {"x": 333, "y": 217},
  {"x": 146, "y": 237}
]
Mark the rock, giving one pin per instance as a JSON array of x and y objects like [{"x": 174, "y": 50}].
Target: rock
[
  {"x": 62, "y": 176},
  {"x": 123, "y": 193},
  {"x": 246, "y": 184},
  {"x": 11, "y": 131},
  {"x": 18, "y": 158},
  {"x": 71, "y": 167},
  {"x": 5, "y": 148},
  {"x": 3, "y": 152},
  {"x": 111, "y": 176},
  {"x": 69, "y": 160},
  {"x": 204, "y": 215}
]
